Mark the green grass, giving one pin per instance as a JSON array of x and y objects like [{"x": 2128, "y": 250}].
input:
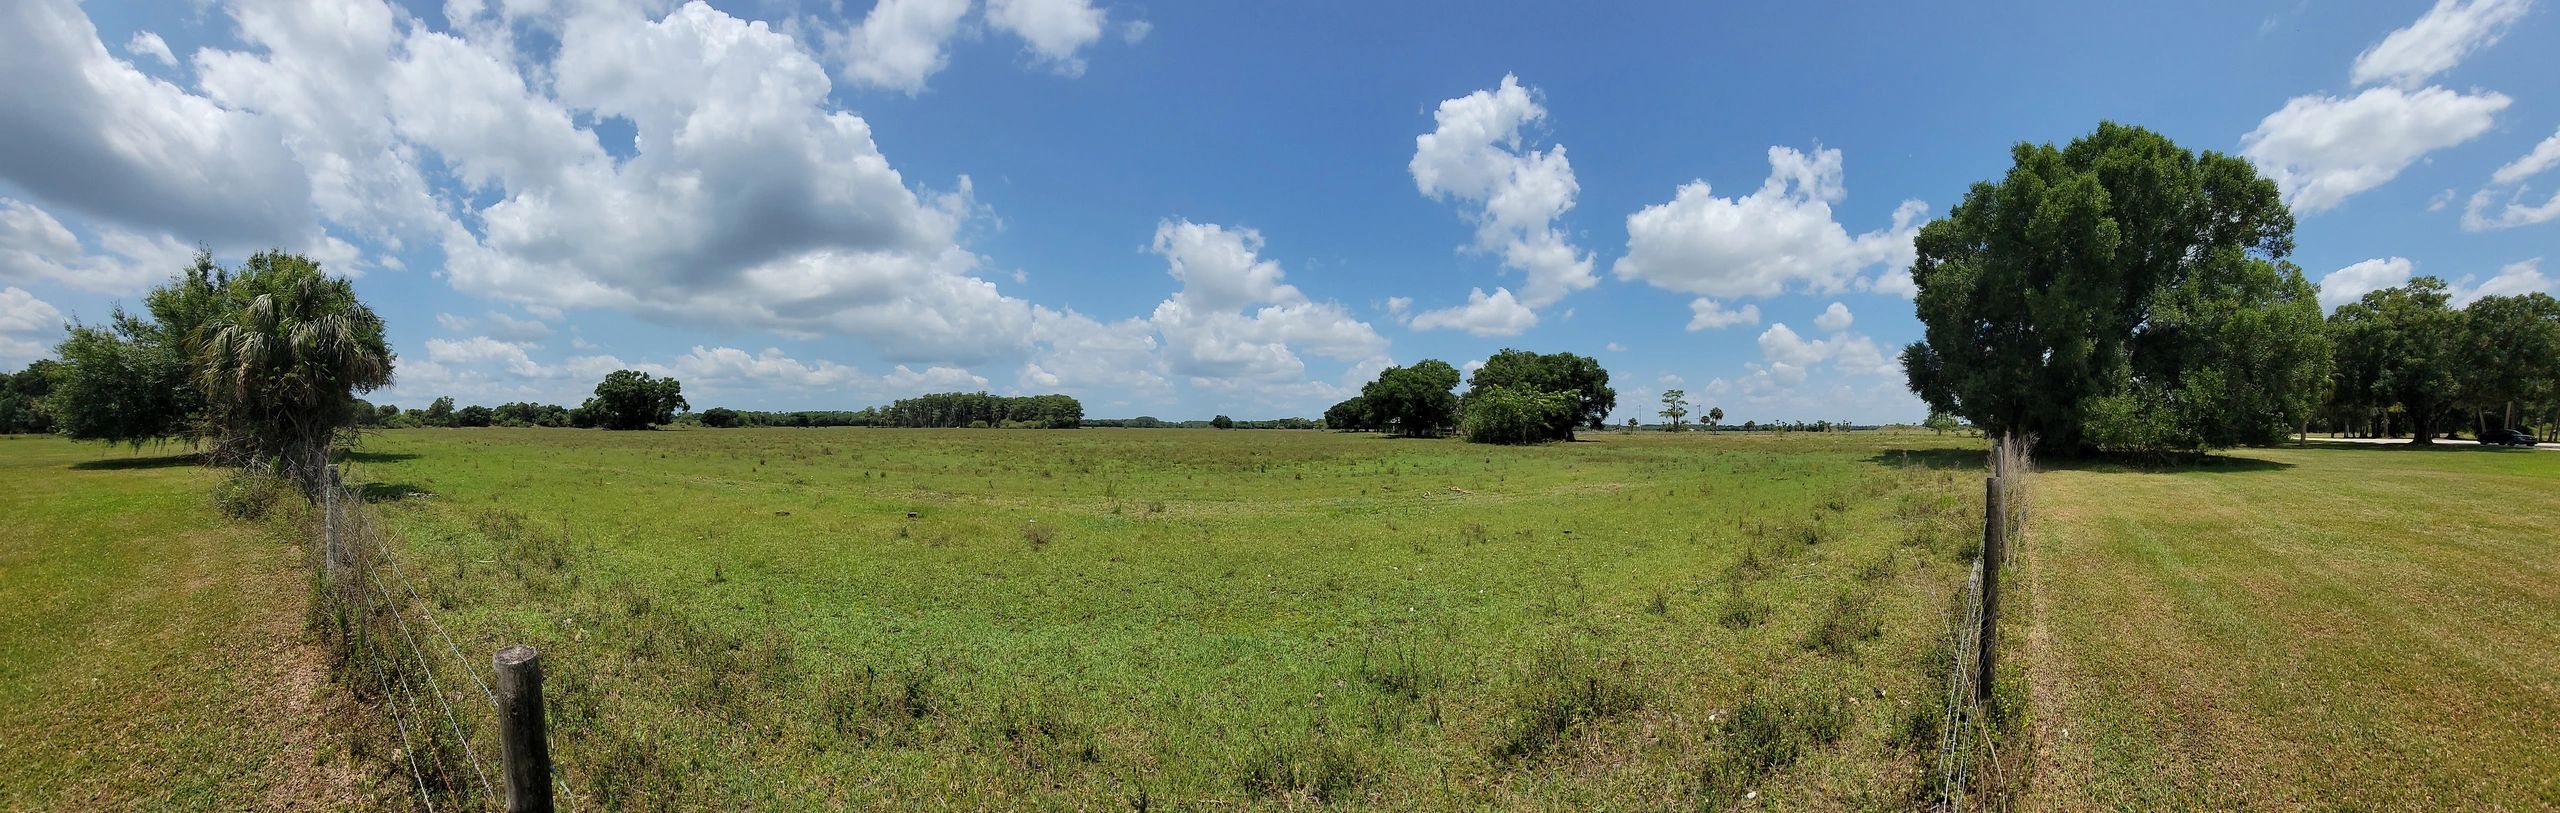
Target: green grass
[
  {"x": 1110, "y": 619},
  {"x": 152, "y": 654},
  {"x": 2352, "y": 626}
]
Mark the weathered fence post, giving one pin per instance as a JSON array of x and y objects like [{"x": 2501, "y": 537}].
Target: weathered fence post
[
  {"x": 329, "y": 529},
  {"x": 1995, "y": 541},
  {"x": 526, "y": 745}
]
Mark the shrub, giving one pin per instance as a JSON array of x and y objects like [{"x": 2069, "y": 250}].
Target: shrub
[
  {"x": 249, "y": 494},
  {"x": 1516, "y": 416}
]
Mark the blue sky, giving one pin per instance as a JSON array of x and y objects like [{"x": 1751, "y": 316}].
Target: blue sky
[{"x": 1183, "y": 209}]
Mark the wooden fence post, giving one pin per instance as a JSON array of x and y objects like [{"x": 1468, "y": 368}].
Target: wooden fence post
[
  {"x": 526, "y": 745},
  {"x": 1995, "y": 541},
  {"x": 329, "y": 529}
]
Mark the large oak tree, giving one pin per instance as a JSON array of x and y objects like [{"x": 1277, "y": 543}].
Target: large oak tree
[{"x": 2118, "y": 293}]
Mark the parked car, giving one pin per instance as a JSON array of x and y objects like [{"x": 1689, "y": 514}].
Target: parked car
[{"x": 2505, "y": 437}]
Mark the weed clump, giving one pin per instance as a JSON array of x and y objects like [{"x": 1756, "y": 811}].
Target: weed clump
[
  {"x": 1767, "y": 734},
  {"x": 1566, "y": 688},
  {"x": 1850, "y": 618},
  {"x": 1317, "y": 768},
  {"x": 1039, "y": 535},
  {"x": 249, "y": 494}
]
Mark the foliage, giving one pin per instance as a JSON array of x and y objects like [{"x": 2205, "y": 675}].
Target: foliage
[
  {"x": 1580, "y": 377},
  {"x": 524, "y": 413},
  {"x": 2119, "y": 292},
  {"x": 249, "y": 493},
  {"x": 1499, "y": 414},
  {"x": 2405, "y": 346},
  {"x": 2511, "y": 353},
  {"x": 280, "y": 372},
  {"x": 958, "y": 409},
  {"x": 1939, "y": 421},
  {"x": 1351, "y": 415},
  {"x": 1417, "y": 401},
  {"x": 22, "y": 398},
  {"x": 1222, "y": 422},
  {"x": 439, "y": 413},
  {"x": 720, "y": 418},
  {"x": 1715, "y": 415},
  {"x": 1674, "y": 407},
  {"x": 630, "y": 399},
  {"x": 474, "y": 416}
]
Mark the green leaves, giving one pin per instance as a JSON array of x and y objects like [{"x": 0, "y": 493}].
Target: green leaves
[
  {"x": 630, "y": 399},
  {"x": 2119, "y": 293}
]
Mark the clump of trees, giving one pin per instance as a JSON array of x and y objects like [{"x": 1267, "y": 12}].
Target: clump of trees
[
  {"x": 259, "y": 365},
  {"x": 1417, "y": 401},
  {"x": 978, "y": 409},
  {"x": 2119, "y": 294},
  {"x": 1516, "y": 397},
  {"x": 2407, "y": 359},
  {"x": 22, "y": 397}
]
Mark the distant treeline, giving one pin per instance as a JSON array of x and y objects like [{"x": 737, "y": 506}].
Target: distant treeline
[
  {"x": 944, "y": 410},
  {"x": 1220, "y": 422}
]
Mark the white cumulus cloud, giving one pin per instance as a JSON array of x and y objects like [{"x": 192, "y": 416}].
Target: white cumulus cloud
[
  {"x": 1479, "y": 155},
  {"x": 1779, "y": 237},
  {"x": 2323, "y": 149},
  {"x": 2438, "y": 41},
  {"x": 1833, "y": 319},
  {"x": 1497, "y": 314},
  {"x": 2353, "y": 282},
  {"x": 899, "y": 44},
  {"x": 1707, "y": 314}
]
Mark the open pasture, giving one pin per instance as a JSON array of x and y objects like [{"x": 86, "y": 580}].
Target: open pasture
[{"x": 1114, "y": 619}]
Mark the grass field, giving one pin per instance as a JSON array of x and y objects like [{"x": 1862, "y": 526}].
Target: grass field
[
  {"x": 151, "y": 654},
  {"x": 1112, "y": 619},
  {"x": 1264, "y": 620},
  {"x": 2334, "y": 626}
]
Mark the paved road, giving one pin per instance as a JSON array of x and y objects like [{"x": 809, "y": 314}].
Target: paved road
[{"x": 2548, "y": 447}]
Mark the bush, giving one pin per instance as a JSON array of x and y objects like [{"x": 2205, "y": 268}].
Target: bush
[
  {"x": 1568, "y": 687},
  {"x": 249, "y": 494}
]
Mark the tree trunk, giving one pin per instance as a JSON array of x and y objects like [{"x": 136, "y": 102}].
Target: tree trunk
[{"x": 2422, "y": 427}]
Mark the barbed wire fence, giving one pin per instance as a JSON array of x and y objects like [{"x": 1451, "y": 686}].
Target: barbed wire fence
[
  {"x": 456, "y": 727},
  {"x": 1966, "y": 740}
]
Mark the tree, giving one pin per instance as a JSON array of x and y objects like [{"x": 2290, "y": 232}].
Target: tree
[
  {"x": 630, "y": 399},
  {"x": 439, "y": 412},
  {"x": 475, "y": 416},
  {"x": 2510, "y": 353},
  {"x": 1715, "y": 415},
  {"x": 1351, "y": 415},
  {"x": 1580, "y": 377},
  {"x": 2412, "y": 344},
  {"x": 1515, "y": 416},
  {"x": 1674, "y": 407},
  {"x": 1222, "y": 422},
  {"x": 1939, "y": 421},
  {"x": 1418, "y": 400},
  {"x": 22, "y": 397},
  {"x": 280, "y": 372},
  {"x": 2118, "y": 293},
  {"x": 720, "y": 417}
]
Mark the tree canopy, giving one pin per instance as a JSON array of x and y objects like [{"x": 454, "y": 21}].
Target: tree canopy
[
  {"x": 1415, "y": 401},
  {"x": 2118, "y": 293},
  {"x": 281, "y": 367},
  {"x": 1580, "y": 379},
  {"x": 630, "y": 399}
]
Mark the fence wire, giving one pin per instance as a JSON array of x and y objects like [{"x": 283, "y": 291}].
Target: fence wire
[
  {"x": 365, "y": 589},
  {"x": 1965, "y": 739}
]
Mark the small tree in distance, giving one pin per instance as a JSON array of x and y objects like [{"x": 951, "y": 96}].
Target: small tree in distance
[
  {"x": 630, "y": 399},
  {"x": 1222, "y": 422},
  {"x": 1674, "y": 407},
  {"x": 1715, "y": 415}
]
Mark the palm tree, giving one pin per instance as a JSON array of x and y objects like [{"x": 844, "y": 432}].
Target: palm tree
[{"x": 282, "y": 369}]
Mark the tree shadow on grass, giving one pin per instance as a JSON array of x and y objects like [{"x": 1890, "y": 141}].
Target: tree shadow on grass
[
  {"x": 130, "y": 463},
  {"x": 391, "y": 492},
  {"x": 1979, "y": 460},
  {"x": 359, "y": 456}
]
